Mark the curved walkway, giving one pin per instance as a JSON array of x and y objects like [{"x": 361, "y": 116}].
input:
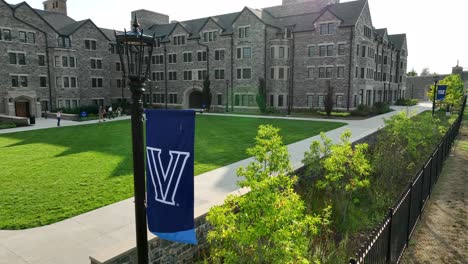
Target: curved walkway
[{"x": 108, "y": 231}]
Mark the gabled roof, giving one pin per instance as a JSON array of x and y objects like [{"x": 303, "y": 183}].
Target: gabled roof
[
  {"x": 381, "y": 31},
  {"x": 397, "y": 40},
  {"x": 56, "y": 20},
  {"x": 349, "y": 12}
]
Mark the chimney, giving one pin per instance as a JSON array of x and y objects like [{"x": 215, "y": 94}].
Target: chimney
[{"x": 56, "y": 6}]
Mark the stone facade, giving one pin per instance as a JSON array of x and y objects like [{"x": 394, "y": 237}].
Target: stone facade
[{"x": 299, "y": 48}]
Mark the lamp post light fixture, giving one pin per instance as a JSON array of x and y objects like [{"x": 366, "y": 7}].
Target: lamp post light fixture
[
  {"x": 436, "y": 80},
  {"x": 227, "y": 96},
  {"x": 135, "y": 50}
]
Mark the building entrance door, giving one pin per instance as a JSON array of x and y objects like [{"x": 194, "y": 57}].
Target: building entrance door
[
  {"x": 22, "y": 109},
  {"x": 195, "y": 100}
]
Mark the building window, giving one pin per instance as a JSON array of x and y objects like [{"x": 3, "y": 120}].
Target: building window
[
  {"x": 22, "y": 37},
  {"x": 363, "y": 54},
  {"x": 272, "y": 100},
  {"x": 219, "y": 55},
  {"x": 219, "y": 74},
  {"x": 172, "y": 58},
  {"x": 72, "y": 61},
  {"x": 310, "y": 101},
  {"x": 219, "y": 99},
  {"x": 330, "y": 50},
  {"x": 19, "y": 81},
  {"x": 210, "y": 36},
  {"x": 281, "y": 73},
  {"x": 339, "y": 101},
  {"x": 310, "y": 73},
  {"x": 172, "y": 76},
  {"x": 187, "y": 75},
  {"x": 117, "y": 66},
  {"x": 272, "y": 73},
  {"x": 244, "y": 32},
  {"x": 17, "y": 58},
  {"x": 322, "y": 51},
  {"x": 340, "y": 72},
  {"x": 90, "y": 44},
  {"x": 322, "y": 72},
  {"x": 31, "y": 38},
  {"x": 96, "y": 82},
  {"x": 201, "y": 56},
  {"x": 158, "y": 76},
  {"x": 329, "y": 72},
  {"x": 244, "y": 73},
  {"x": 157, "y": 59},
  {"x": 281, "y": 52},
  {"x": 65, "y": 62},
  {"x": 385, "y": 60},
  {"x": 272, "y": 52},
  {"x": 311, "y": 51},
  {"x": 244, "y": 53},
  {"x": 280, "y": 100},
  {"x": 6, "y": 34},
  {"x": 42, "y": 81},
  {"x": 362, "y": 73},
  {"x": 288, "y": 32},
  {"x": 327, "y": 28},
  {"x": 341, "y": 49},
  {"x": 178, "y": 40},
  {"x": 367, "y": 32},
  {"x": 187, "y": 57},
  {"x": 66, "y": 82},
  {"x": 201, "y": 74},
  {"x": 173, "y": 98},
  {"x": 320, "y": 102},
  {"x": 96, "y": 64}
]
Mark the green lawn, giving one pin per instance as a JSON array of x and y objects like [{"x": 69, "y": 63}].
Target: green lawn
[{"x": 53, "y": 174}]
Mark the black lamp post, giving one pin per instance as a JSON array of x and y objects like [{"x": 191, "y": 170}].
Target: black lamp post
[
  {"x": 132, "y": 48},
  {"x": 227, "y": 96},
  {"x": 436, "y": 80}
]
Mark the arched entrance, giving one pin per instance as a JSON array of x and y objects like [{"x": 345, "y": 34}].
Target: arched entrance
[{"x": 195, "y": 100}]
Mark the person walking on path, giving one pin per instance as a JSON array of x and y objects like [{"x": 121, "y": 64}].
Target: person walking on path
[
  {"x": 109, "y": 112},
  {"x": 101, "y": 113},
  {"x": 59, "y": 117},
  {"x": 119, "y": 111}
]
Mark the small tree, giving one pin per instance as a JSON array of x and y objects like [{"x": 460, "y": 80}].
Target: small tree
[
  {"x": 269, "y": 224},
  {"x": 261, "y": 95},
  {"x": 425, "y": 72},
  {"x": 206, "y": 93},
  {"x": 454, "y": 93},
  {"x": 412, "y": 73},
  {"x": 345, "y": 170},
  {"x": 328, "y": 100}
]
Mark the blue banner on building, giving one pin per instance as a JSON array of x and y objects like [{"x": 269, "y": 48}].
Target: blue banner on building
[
  {"x": 170, "y": 137},
  {"x": 441, "y": 92}
]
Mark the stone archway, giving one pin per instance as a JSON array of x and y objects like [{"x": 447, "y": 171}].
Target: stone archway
[
  {"x": 23, "y": 106},
  {"x": 195, "y": 100}
]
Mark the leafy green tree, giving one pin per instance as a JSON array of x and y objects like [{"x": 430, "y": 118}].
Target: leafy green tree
[
  {"x": 454, "y": 94},
  {"x": 206, "y": 92},
  {"x": 268, "y": 224},
  {"x": 261, "y": 95},
  {"x": 403, "y": 145},
  {"x": 425, "y": 72},
  {"x": 412, "y": 73},
  {"x": 345, "y": 170}
]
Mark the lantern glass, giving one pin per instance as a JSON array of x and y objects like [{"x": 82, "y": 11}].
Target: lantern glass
[{"x": 135, "y": 50}]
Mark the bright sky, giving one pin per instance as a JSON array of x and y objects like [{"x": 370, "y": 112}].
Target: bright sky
[{"x": 436, "y": 30}]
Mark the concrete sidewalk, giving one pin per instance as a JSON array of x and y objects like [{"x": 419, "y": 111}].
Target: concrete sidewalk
[{"x": 111, "y": 230}]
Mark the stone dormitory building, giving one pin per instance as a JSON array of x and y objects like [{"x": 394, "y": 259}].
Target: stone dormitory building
[{"x": 48, "y": 60}]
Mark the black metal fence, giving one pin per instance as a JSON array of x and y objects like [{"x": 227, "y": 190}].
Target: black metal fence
[{"x": 389, "y": 239}]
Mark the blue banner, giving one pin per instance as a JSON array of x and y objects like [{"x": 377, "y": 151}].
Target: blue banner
[
  {"x": 441, "y": 92},
  {"x": 170, "y": 136}
]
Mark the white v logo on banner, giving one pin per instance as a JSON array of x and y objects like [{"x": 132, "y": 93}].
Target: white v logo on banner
[{"x": 162, "y": 177}]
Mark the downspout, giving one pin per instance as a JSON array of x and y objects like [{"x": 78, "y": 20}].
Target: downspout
[
  {"x": 391, "y": 68},
  {"x": 265, "y": 57},
  {"x": 291, "y": 75},
  {"x": 232, "y": 72},
  {"x": 351, "y": 66},
  {"x": 47, "y": 57},
  {"x": 398, "y": 70},
  {"x": 381, "y": 68},
  {"x": 165, "y": 75}
]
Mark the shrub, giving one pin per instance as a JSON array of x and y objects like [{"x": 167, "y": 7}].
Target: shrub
[
  {"x": 269, "y": 224},
  {"x": 261, "y": 96},
  {"x": 380, "y": 108},
  {"x": 7, "y": 124},
  {"x": 406, "y": 102},
  {"x": 337, "y": 114}
]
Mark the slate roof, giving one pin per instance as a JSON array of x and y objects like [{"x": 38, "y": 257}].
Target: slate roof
[
  {"x": 381, "y": 31},
  {"x": 349, "y": 12},
  {"x": 397, "y": 40},
  {"x": 56, "y": 20}
]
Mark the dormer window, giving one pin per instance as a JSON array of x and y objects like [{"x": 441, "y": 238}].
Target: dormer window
[
  {"x": 327, "y": 28},
  {"x": 367, "y": 32},
  {"x": 63, "y": 42},
  {"x": 210, "y": 36},
  {"x": 179, "y": 40},
  {"x": 244, "y": 32}
]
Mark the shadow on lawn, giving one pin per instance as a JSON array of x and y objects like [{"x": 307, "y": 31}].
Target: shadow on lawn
[{"x": 113, "y": 138}]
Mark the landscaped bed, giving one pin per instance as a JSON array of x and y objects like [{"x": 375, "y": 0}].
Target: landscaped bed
[{"x": 54, "y": 174}]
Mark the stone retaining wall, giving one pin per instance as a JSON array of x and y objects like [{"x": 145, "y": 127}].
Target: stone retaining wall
[{"x": 19, "y": 121}]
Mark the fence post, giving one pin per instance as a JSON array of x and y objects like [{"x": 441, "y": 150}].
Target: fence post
[
  {"x": 409, "y": 212},
  {"x": 430, "y": 176},
  {"x": 389, "y": 249}
]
